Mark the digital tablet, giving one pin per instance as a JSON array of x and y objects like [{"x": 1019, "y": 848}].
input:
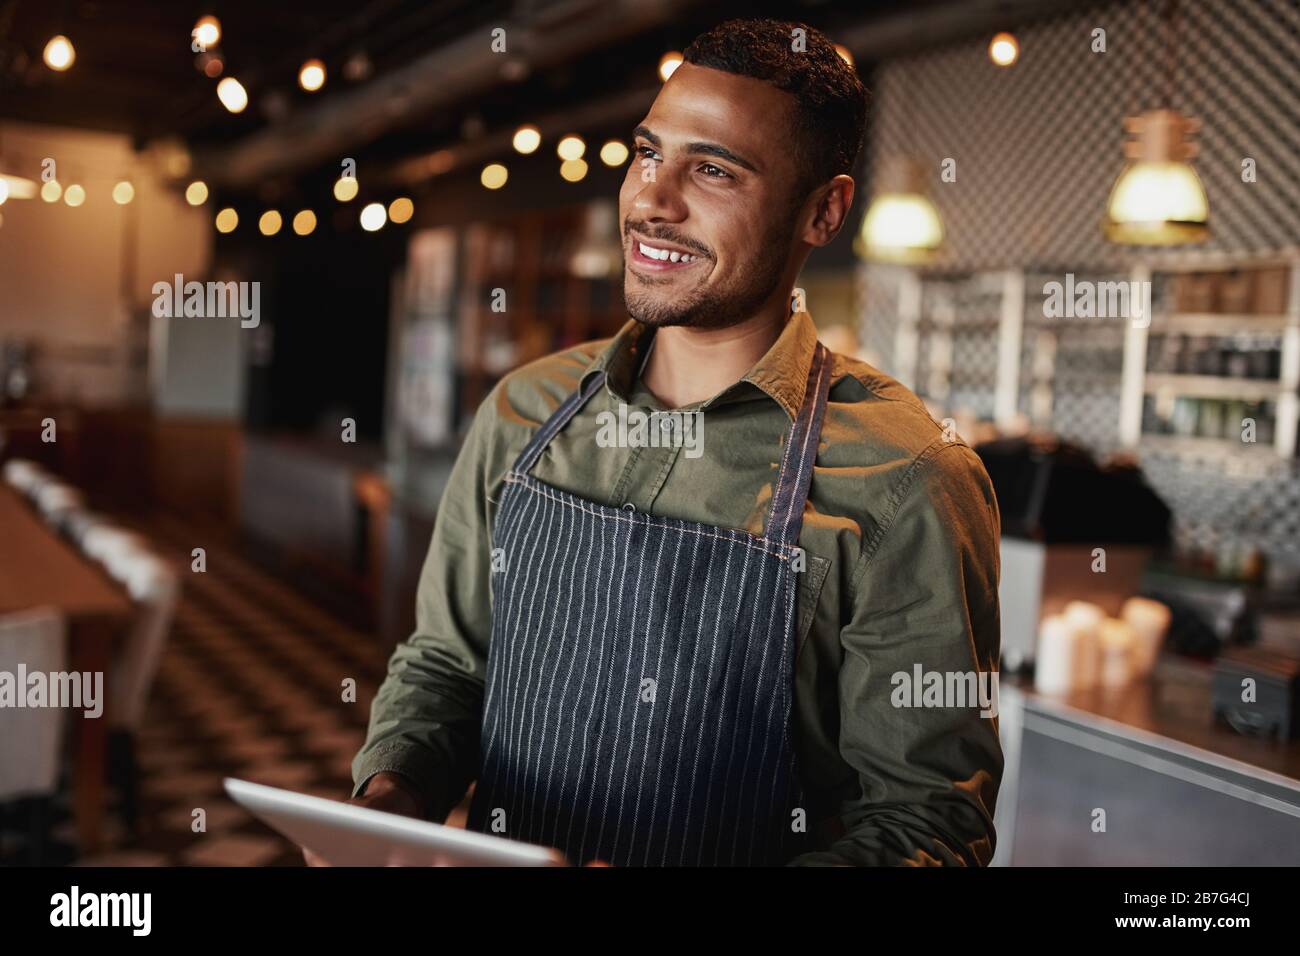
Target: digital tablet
[{"x": 345, "y": 835}]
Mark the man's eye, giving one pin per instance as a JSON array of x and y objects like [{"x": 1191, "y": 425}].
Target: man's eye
[
  {"x": 717, "y": 172},
  {"x": 647, "y": 152}
]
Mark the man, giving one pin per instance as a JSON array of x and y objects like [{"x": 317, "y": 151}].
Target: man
[{"x": 648, "y": 656}]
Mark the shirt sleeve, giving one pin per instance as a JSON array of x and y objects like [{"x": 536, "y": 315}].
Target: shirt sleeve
[
  {"x": 426, "y": 717},
  {"x": 925, "y": 610}
]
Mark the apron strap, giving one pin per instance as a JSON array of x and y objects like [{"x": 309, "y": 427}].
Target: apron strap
[
  {"x": 785, "y": 519},
  {"x": 559, "y": 418}
]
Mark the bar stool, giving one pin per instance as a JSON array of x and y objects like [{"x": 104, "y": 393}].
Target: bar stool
[{"x": 155, "y": 587}]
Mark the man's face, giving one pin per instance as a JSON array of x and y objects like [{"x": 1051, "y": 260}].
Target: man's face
[{"x": 713, "y": 176}]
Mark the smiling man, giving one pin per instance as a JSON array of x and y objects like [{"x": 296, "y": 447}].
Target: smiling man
[{"x": 647, "y": 657}]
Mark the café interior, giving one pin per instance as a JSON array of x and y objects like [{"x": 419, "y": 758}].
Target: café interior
[{"x": 1076, "y": 238}]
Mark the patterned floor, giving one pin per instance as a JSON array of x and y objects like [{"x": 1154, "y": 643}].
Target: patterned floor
[{"x": 251, "y": 685}]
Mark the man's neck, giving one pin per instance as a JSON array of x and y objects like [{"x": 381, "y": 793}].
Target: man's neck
[{"x": 688, "y": 365}]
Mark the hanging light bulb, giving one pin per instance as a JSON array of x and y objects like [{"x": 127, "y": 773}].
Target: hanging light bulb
[
  {"x": 668, "y": 64},
  {"x": 346, "y": 188},
  {"x": 573, "y": 170},
  {"x": 1158, "y": 200},
  {"x": 571, "y": 147},
  {"x": 401, "y": 210},
  {"x": 613, "y": 153},
  {"x": 312, "y": 75},
  {"x": 207, "y": 32},
  {"x": 373, "y": 217},
  {"x": 232, "y": 94},
  {"x": 902, "y": 224},
  {"x": 1004, "y": 49},
  {"x": 59, "y": 53},
  {"x": 527, "y": 139}
]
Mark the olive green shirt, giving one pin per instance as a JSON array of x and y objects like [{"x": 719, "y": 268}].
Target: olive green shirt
[{"x": 901, "y": 578}]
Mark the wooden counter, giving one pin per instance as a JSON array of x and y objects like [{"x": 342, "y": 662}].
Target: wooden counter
[{"x": 40, "y": 569}]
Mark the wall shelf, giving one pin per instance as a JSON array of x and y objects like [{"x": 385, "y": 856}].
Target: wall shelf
[
  {"x": 1137, "y": 382},
  {"x": 1214, "y": 386},
  {"x": 1218, "y": 323}
]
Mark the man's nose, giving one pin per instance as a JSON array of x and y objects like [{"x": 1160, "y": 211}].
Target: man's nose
[{"x": 659, "y": 199}]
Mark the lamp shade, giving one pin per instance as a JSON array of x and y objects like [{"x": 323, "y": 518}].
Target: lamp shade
[
  {"x": 900, "y": 227},
  {"x": 901, "y": 224},
  {"x": 1158, "y": 200},
  {"x": 1157, "y": 203}
]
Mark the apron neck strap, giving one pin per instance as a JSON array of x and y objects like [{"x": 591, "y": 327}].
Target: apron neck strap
[
  {"x": 785, "y": 519},
  {"x": 559, "y": 418},
  {"x": 794, "y": 478}
]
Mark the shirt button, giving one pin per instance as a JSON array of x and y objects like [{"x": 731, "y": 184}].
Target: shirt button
[{"x": 628, "y": 506}]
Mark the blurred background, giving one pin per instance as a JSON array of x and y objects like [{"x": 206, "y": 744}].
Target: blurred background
[{"x": 228, "y": 515}]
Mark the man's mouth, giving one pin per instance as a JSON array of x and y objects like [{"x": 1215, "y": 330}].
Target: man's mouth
[{"x": 656, "y": 256}]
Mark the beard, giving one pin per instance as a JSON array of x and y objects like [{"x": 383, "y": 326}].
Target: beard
[{"x": 650, "y": 303}]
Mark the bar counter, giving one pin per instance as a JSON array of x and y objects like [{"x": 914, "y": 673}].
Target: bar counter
[{"x": 1135, "y": 777}]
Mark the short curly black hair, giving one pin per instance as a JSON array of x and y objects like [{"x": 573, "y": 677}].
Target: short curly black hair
[{"x": 830, "y": 100}]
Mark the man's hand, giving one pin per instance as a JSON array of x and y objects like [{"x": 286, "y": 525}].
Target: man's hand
[{"x": 384, "y": 791}]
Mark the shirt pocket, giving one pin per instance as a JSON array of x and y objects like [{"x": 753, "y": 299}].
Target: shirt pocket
[{"x": 811, "y": 579}]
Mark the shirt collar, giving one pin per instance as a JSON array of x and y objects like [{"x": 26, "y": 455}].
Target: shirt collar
[{"x": 781, "y": 374}]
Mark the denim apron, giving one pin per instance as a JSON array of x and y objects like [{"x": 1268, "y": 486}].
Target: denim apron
[{"x": 640, "y": 672}]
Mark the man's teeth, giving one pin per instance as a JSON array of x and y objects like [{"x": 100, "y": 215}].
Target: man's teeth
[{"x": 665, "y": 255}]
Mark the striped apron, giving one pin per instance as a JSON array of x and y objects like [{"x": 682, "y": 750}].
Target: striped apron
[{"x": 640, "y": 672}]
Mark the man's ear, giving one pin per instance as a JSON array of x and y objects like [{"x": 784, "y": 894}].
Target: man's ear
[{"x": 829, "y": 207}]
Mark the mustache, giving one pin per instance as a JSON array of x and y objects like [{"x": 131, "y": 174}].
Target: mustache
[{"x": 667, "y": 234}]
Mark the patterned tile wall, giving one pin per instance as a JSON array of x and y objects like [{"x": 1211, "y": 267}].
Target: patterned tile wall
[{"x": 1037, "y": 148}]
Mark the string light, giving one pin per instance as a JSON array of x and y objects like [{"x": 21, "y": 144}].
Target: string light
[
  {"x": 373, "y": 217},
  {"x": 527, "y": 139},
  {"x": 270, "y": 223},
  {"x": 613, "y": 153},
  {"x": 196, "y": 193},
  {"x": 207, "y": 31},
  {"x": 227, "y": 220},
  {"x": 232, "y": 94},
  {"x": 346, "y": 188},
  {"x": 668, "y": 64},
  {"x": 123, "y": 193},
  {"x": 401, "y": 210},
  {"x": 59, "y": 53},
  {"x": 312, "y": 76},
  {"x": 1004, "y": 49},
  {"x": 573, "y": 170},
  {"x": 304, "y": 222},
  {"x": 494, "y": 176},
  {"x": 571, "y": 147}
]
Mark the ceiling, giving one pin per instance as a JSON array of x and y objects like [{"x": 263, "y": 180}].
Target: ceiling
[{"x": 432, "y": 83}]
